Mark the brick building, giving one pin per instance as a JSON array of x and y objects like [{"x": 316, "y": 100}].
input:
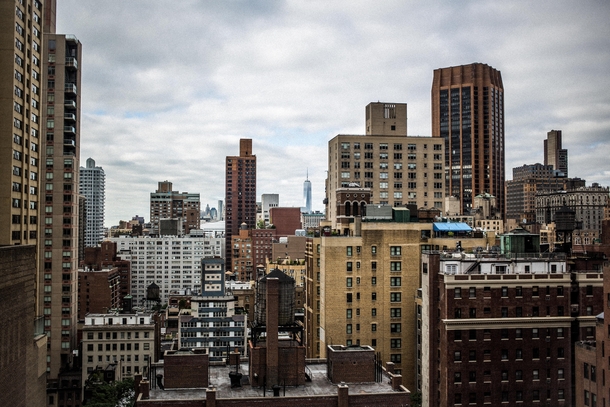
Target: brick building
[
  {"x": 499, "y": 328},
  {"x": 285, "y": 220},
  {"x": 168, "y": 204}
]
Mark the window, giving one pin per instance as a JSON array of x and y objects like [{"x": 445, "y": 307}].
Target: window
[
  {"x": 395, "y": 312},
  {"x": 472, "y": 313},
  {"x": 457, "y": 377},
  {"x": 373, "y": 327},
  {"x": 395, "y": 297},
  {"x": 395, "y": 281},
  {"x": 536, "y": 374},
  {"x": 519, "y": 375},
  {"x": 348, "y": 282},
  {"x": 504, "y": 354},
  {"x": 472, "y": 292},
  {"x": 395, "y": 266},
  {"x": 504, "y": 291},
  {"x": 457, "y": 335},
  {"x": 348, "y": 250},
  {"x": 457, "y": 292},
  {"x": 348, "y": 329},
  {"x": 457, "y": 356},
  {"x": 395, "y": 328},
  {"x": 395, "y": 250},
  {"x": 395, "y": 343}
]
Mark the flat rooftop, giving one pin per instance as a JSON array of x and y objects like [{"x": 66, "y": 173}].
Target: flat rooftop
[{"x": 219, "y": 378}]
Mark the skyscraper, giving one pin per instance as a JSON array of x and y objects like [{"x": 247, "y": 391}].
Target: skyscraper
[
  {"x": 92, "y": 187},
  {"x": 60, "y": 208},
  {"x": 20, "y": 118},
  {"x": 240, "y": 194},
  {"x": 468, "y": 113},
  {"x": 555, "y": 155},
  {"x": 307, "y": 194}
]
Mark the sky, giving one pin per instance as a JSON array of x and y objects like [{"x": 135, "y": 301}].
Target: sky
[{"x": 169, "y": 87}]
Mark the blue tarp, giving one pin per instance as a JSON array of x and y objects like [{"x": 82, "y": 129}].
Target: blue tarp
[{"x": 451, "y": 227}]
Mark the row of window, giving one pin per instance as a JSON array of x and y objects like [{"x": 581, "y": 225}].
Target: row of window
[
  {"x": 506, "y": 396},
  {"x": 504, "y": 375},
  {"x": 504, "y": 354},
  {"x": 518, "y": 312},
  {"x": 504, "y": 333},
  {"x": 518, "y": 291}
]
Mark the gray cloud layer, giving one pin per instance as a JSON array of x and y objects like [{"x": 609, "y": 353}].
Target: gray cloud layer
[{"x": 170, "y": 87}]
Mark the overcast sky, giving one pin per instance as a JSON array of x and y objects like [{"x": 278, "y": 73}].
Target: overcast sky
[{"x": 169, "y": 87}]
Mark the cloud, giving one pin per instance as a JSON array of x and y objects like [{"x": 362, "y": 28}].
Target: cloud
[{"x": 170, "y": 87}]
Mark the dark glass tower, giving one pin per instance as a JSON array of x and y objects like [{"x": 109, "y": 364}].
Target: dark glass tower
[{"x": 468, "y": 113}]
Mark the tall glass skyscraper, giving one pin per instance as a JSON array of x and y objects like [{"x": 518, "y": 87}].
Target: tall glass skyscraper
[
  {"x": 307, "y": 194},
  {"x": 468, "y": 113}
]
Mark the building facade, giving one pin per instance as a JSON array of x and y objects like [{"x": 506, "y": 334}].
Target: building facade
[
  {"x": 168, "y": 204},
  {"x": 240, "y": 194},
  {"x": 366, "y": 285},
  {"x": 468, "y": 114},
  {"x": 213, "y": 323},
  {"x": 528, "y": 180},
  {"x": 171, "y": 262},
  {"x": 92, "y": 186},
  {"x": 124, "y": 340},
  {"x": 59, "y": 250},
  {"x": 21, "y": 115},
  {"x": 398, "y": 169},
  {"x": 589, "y": 203}
]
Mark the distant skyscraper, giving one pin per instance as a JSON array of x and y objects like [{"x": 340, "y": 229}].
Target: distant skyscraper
[
  {"x": 307, "y": 194},
  {"x": 240, "y": 194},
  {"x": 168, "y": 204},
  {"x": 221, "y": 215},
  {"x": 553, "y": 153},
  {"x": 468, "y": 113},
  {"x": 92, "y": 186}
]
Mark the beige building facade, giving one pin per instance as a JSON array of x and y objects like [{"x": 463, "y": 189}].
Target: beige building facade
[
  {"x": 366, "y": 286},
  {"x": 398, "y": 169}
]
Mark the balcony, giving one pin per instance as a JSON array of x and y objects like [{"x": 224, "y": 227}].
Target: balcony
[
  {"x": 70, "y": 116},
  {"x": 70, "y": 88},
  {"x": 70, "y": 143},
  {"x": 71, "y": 63},
  {"x": 70, "y": 103},
  {"x": 70, "y": 129}
]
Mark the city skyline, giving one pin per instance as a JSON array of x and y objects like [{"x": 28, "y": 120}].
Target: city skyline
[{"x": 234, "y": 72}]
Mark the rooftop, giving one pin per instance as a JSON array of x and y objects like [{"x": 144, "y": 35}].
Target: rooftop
[{"x": 219, "y": 379}]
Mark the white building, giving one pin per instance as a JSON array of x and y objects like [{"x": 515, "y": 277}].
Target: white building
[
  {"x": 92, "y": 183},
  {"x": 171, "y": 262},
  {"x": 268, "y": 201},
  {"x": 127, "y": 340}
]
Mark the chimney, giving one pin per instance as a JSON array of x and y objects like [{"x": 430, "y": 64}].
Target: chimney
[{"x": 272, "y": 318}]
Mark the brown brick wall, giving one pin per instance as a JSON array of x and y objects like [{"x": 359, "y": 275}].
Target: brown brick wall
[
  {"x": 22, "y": 378},
  {"x": 351, "y": 366},
  {"x": 185, "y": 371}
]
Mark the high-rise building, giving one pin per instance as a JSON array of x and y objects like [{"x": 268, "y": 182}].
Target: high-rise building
[
  {"x": 554, "y": 155},
  {"x": 398, "y": 169},
  {"x": 21, "y": 71},
  {"x": 468, "y": 113},
  {"x": 168, "y": 204},
  {"x": 307, "y": 194},
  {"x": 240, "y": 194},
  {"x": 92, "y": 186},
  {"x": 59, "y": 210}
]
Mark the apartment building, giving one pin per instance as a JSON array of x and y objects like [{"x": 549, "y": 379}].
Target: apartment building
[
  {"x": 398, "y": 169},
  {"x": 171, "y": 262},
  {"x": 59, "y": 250},
  {"x": 362, "y": 291},
  {"x": 240, "y": 194},
  {"x": 92, "y": 186},
  {"x": 498, "y": 328},
  {"x": 126, "y": 341},
  {"x": 212, "y": 322},
  {"x": 168, "y": 204}
]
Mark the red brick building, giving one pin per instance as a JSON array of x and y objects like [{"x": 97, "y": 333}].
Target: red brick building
[{"x": 285, "y": 220}]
